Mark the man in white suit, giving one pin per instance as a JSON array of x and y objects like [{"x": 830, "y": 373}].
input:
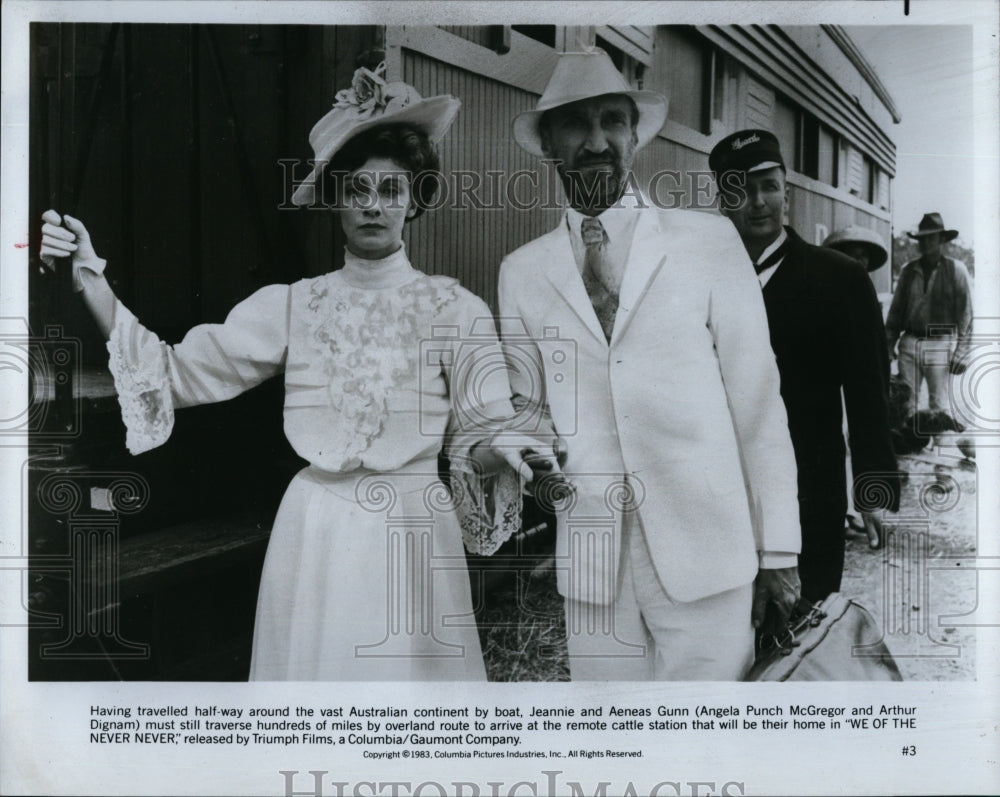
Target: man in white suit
[{"x": 684, "y": 524}]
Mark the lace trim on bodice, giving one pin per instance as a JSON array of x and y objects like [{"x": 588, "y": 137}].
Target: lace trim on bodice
[{"x": 367, "y": 342}]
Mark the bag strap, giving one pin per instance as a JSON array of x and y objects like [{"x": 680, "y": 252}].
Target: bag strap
[{"x": 805, "y": 615}]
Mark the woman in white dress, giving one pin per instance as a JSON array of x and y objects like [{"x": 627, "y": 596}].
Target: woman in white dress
[{"x": 365, "y": 576}]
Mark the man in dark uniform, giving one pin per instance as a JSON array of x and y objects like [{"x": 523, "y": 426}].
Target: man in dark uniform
[{"x": 828, "y": 338}]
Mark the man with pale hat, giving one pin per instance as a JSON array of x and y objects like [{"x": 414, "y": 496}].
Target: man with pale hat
[
  {"x": 861, "y": 244},
  {"x": 931, "y": 316},
  {"x": 826, "y": 330},
  {"x": 670, "y": 416}
]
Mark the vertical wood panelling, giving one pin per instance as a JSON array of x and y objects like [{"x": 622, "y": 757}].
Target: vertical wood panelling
[
  {"x": 679, "y": 167},
  {"x": 882, "y": 197},
  {"x": 807, "y": 209},
  {"x": 680, "y": 70},
  {"x": 855, "y": 165},
  {"x": 759, "y": 104},
  {"x": 461, "y": 240},
  {"x": 477, "y": 34}
]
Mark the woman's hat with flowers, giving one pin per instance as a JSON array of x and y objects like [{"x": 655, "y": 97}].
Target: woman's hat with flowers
[{"x": 371, "y": 102}]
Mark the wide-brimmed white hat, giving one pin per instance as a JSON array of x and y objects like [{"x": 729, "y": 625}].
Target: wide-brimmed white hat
[
  {"x": 580, "y": 76},
  {"x": 371, "y": 102}
]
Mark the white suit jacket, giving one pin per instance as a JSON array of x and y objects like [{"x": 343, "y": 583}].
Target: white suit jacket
[{"x": 681, "y": 412}]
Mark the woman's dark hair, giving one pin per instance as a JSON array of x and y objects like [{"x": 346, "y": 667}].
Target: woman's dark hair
[{"x": 402, "y": 143}]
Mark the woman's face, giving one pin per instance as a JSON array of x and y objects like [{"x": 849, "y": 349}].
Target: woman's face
[{"x": 374, "y": 202}]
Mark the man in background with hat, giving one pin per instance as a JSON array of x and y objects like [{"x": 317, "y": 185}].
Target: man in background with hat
[
  {"x": 931, "y": 316},
  {"x": 826, "y": 330},
  {"x": 683, "y": 527}
]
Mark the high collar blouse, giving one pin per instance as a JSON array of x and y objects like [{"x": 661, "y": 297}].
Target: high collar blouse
[{"x": 379, "y": 360}]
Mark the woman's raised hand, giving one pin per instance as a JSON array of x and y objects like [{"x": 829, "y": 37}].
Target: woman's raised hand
[{"x": 64, "y": 236}]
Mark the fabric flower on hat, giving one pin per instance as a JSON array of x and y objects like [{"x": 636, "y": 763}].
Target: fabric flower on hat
[
  {"x": 398, "y": 95},
  {"x": 367, "y": 91},
  {"x": 370, "y": 102}
]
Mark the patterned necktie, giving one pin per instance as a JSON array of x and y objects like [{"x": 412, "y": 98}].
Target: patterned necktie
[
  {"x": 599, "y": 275},
  {"x": 772, "y": 258}
]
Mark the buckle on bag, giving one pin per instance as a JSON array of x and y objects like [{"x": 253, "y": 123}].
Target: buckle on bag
[{"x": 806, "y": 615}]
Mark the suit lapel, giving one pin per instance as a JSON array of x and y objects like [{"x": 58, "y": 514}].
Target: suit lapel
[
  {"x": 559, "y": 266},
  {"x": 645, "y": 258},
  {"x": 786, "y": 281}
]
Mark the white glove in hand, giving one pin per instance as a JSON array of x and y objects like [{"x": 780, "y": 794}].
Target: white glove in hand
[{"x": 64, "y": 236}]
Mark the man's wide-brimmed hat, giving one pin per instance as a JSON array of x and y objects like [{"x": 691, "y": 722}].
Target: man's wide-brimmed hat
[
  {"x": 932, "y": 223},
  {"x": 372, "y": 102},
  {"x": 582, "y": 76},
  {"x": 856, "y": 234}
]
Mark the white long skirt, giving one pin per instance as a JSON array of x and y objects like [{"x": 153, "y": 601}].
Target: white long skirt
[{"x": 365, "y": 579}]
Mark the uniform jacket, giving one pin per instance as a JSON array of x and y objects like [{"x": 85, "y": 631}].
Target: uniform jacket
[
  {"x": 827, "y": 334},
  {"x": 683, "y": 403}
]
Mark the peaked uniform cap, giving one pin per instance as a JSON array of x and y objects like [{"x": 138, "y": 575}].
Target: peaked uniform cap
[
  {"x": 583, "y": 76},
  {"x": 856, "y": 234},
  {"x": 932, "y": 223},
  {"x": 746, "y": 151}
]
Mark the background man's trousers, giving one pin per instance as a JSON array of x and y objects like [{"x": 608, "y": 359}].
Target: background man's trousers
[
  {"x": 644, "y": 635},
  {"x": 927, "y": 358}
]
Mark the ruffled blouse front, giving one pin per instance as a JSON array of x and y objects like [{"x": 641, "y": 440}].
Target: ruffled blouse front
[{"x": 382, "y": 364}]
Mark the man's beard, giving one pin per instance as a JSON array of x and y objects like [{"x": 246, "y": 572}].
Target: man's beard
[{"x": 593, "y": 189}]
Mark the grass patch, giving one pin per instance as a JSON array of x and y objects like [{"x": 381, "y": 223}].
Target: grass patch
[{"x": 522, "y": 628}]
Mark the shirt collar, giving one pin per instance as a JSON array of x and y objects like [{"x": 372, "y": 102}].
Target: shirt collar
[
  {"x": 615, "y": 220},
  {"x": 782, "y": 237}
]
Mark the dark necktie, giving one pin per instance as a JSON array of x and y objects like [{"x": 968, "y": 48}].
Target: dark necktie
[
  {"x": 599, "y": 275},
  {"x": 772, "y": 258}
]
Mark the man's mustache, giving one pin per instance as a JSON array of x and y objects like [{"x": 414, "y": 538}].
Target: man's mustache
[{"x": 596, "y": 160}]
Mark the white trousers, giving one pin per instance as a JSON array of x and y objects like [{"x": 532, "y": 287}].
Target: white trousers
[
  {"x": 644, "y": 635},
  {"x": 927, "y": 358}
]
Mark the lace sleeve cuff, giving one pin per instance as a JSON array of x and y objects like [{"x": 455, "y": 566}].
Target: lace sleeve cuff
[
  {"x": 138, "y": 364},
  {"x": 488, "y": 506}
]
